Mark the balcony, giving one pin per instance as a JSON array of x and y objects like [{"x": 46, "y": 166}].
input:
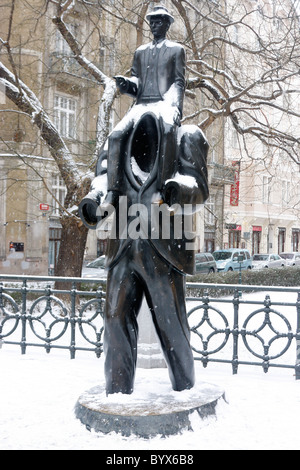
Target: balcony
[
  {"x": 68, "y": 69},
  {"x": 219, "y": 174}
]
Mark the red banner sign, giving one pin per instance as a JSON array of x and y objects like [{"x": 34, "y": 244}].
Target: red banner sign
[{"x": 235, "y": 187}]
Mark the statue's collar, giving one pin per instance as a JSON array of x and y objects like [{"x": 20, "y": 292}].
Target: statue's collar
[{"x": 158, "y": 43}]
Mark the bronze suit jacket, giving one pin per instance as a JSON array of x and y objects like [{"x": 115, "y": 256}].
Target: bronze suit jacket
[
  {"x": 170, "y": 71},
  {"x": 192, "y": 155},
  {"x": 192, "y": 158}
]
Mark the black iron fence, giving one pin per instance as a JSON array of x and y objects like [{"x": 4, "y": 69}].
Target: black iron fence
[
  {"x": 43, "y": 312},
  {"x": 230, "y": 324}
]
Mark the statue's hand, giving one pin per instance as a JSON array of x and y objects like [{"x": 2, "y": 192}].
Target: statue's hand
[{"x": 122, "y": 83}]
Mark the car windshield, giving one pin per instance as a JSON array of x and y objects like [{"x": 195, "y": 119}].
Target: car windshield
[
  {"x": 260, "y": 257},
  {"x": 221, "y": 255},
  {"x": 97, "y": 263},
  {"x": 287, "y": 255}
]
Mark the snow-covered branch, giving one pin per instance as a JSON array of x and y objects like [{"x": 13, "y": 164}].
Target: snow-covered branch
[
  {"x": 28, "y": 103},
  {"x": 110, "y": 89},
  {"x": 76, "y": 49}
]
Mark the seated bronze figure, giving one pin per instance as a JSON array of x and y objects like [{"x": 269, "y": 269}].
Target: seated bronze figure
[{"x": 152, "y": 172}]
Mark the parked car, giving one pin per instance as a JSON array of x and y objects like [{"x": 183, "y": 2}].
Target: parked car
[
  {"x": 95, "y": 269},
  {"x": 232, "y": 259},
  {"x": 205, "y": 263},
  {"x": 269, "y": 260},
  {"x": 292, "y": 258}
]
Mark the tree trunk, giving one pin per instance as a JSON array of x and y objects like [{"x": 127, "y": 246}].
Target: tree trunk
[{"x": 70, "y": 258}]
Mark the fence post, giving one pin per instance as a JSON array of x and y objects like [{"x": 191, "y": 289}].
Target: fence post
[
  {"x": 235, "y": 331},
  {"x": 1, "y": 311},
  {"x": 73, "y": 320},
  {"x": 297, "y": 366},
  {"x": 24, "y": 316}
]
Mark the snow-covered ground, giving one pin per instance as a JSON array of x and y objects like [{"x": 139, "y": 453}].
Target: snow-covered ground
[{"x": 38, "y": 393}]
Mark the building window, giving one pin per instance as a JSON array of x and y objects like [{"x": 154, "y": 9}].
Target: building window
[
  {"x": 107, "y": 54},
  {"x": 295, "y": 239},
  {"x": 209, "y": 210},
  {"x": 281, "y": 239},
  {"x": 213, "y": 152},
  {"x": 285, "y": 192},
  {"x": 234, "y": 238},
  {"x": 59, "y": 191},
  {"x": 101, "y": 247},
  {"x": 65, "y": 116},
  {"x": 209, "y": 242},
  {"x": 234, "y": 139},
  {"x": 102, "y": 52},
  {"x": 256, "y": 239},
  {"x": 54, "y": 244},
  {"x": 61, "y": 46},
  {"x": 266, "y": 189}
]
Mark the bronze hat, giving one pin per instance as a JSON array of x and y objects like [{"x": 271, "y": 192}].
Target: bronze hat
[{"x": 160, "y": 10}]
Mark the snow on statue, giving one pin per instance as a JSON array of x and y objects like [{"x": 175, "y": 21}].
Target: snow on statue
[{"x": 149, "y": 161}]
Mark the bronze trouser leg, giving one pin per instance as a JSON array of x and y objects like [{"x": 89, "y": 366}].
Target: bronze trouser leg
[
  {"x": 141, "y": 270},
  {"x": 167, "y": 165},
  {"x": 116, "y": 159},
  {"x": 123, "y": 301}
]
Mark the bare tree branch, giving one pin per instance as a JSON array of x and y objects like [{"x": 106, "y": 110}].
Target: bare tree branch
[{"x": 29, "y": 104}]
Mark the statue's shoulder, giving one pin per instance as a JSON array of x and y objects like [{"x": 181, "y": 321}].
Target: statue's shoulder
[
  {"x": 173, "y": 44},
  {"x": 143, "y": 47}
]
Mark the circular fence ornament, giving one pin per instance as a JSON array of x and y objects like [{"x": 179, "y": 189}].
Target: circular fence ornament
[
  {"x": 265, "y": 321},
  {"x": 204, "y": 340}
]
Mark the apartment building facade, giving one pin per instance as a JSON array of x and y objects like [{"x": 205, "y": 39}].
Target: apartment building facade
[
  {"x": 32, "y": 192},
  {"x": 261, "y": 207}
]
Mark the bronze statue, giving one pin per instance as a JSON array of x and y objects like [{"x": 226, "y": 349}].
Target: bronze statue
[
  {"x": 157, "y": 82},
  {"x": 153, "y": 163}
]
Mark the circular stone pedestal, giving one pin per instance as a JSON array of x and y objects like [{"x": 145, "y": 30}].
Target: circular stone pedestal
[{"x": 146, "y": 413}]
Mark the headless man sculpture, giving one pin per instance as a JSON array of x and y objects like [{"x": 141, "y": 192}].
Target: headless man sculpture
[{"x": 151, "y": 162}]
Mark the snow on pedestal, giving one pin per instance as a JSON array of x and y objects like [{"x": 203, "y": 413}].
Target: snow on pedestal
[{"x": 152, "y": 409}]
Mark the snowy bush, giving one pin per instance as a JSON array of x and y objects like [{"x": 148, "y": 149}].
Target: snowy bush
[{"x": 287, "y": 277}]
